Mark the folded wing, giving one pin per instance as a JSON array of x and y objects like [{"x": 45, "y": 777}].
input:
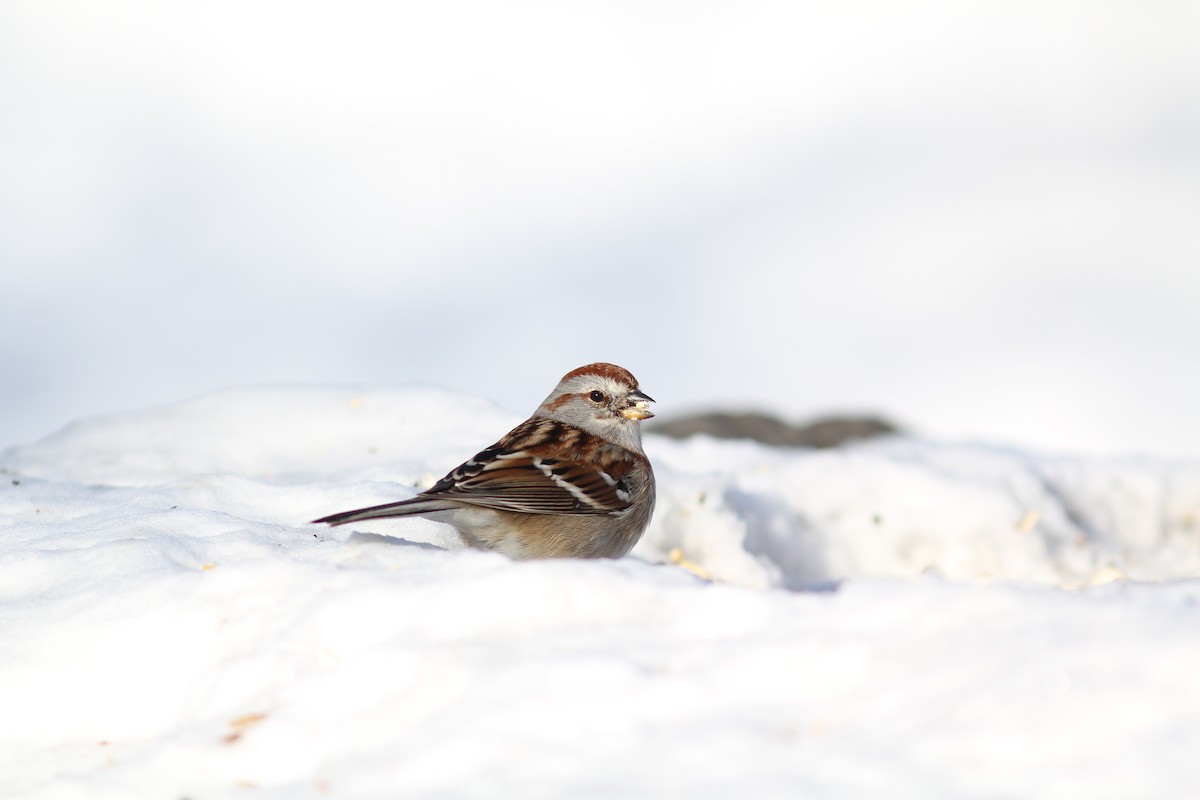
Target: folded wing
[{"x": 525, "y": 482}]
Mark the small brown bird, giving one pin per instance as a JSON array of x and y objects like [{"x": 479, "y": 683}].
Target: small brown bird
[{"x": 570, "y": 481}]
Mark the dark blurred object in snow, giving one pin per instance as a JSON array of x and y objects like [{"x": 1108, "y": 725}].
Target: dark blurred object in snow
[{"x": 825, "y": 432}]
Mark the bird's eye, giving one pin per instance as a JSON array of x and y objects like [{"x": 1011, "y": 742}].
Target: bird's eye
[{"x": 596, "y": 396}]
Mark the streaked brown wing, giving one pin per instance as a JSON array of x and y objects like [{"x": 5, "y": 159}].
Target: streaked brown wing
[{"x": 530, "y": 484}]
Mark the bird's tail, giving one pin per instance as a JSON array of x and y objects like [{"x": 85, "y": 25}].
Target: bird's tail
[{"x": 405, "y": 508}]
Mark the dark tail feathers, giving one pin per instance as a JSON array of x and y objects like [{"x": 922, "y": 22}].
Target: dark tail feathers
[{"x": 405, "y": 508}]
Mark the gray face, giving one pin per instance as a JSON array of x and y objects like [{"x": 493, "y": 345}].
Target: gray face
[{"x": 600, "y": 405}]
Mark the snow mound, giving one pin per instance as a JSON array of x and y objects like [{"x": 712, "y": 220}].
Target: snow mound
[
  {"x": 904, "y": 507},
  {"x": 171, "y": 625},
  {"x": 740, "y": 512}
]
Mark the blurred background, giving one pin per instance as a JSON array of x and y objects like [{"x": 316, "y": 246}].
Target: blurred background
[{"x": 981, "y": 221}]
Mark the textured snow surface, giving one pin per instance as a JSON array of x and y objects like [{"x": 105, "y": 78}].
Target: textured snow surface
[{"x": 904, "y": 619}]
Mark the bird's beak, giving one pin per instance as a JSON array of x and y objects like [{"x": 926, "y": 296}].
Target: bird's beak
[{"x": 639, "y": 406}]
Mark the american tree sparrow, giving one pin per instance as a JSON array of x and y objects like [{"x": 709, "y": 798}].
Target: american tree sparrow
[{"x": 570, "y": 481}]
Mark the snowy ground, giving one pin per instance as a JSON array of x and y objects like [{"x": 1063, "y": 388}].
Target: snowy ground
[{"x": 900, "y": 619}]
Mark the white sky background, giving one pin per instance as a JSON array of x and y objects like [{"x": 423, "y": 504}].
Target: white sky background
[{"x": 980, "y": 220}]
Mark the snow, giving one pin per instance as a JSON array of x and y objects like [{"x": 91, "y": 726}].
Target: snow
[
  {"x": 979, "y": 221},
  {"x": 903, "y": 618}
]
